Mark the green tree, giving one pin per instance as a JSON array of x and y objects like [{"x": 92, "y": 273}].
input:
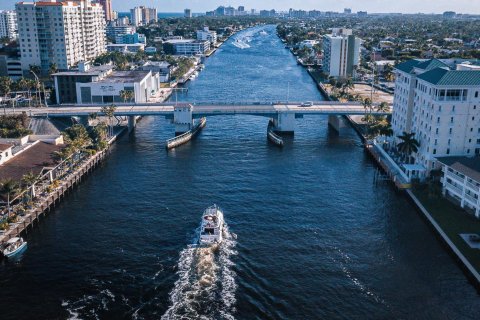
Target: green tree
[
  {"x": 109, "y": 112},
  {"x": 29, "y": 179},
  {"x": 408, "y": 145},
  {"x": 5, "y": 89},
  {"x": 127, "y": 95},
  {"x": 8, "y": 188}
]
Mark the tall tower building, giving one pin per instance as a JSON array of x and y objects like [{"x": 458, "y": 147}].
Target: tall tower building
[
  {"x": 107, "y": 7},
  {"x": 341, "y": 53},
  {"x": 141, "y": 16},
  {"x": 8, "y": 24},
  {"x": 63, "y": 33}
]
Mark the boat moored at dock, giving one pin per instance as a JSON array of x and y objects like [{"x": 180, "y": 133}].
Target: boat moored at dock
[
  {"x": 14, "y": 246},
  {"x": 211, "y": 228}
]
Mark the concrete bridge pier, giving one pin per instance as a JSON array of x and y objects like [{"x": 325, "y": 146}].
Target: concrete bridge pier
[
  {"x": 132, "y": 123},
  {"x": 182, "y": 118},
  {"x": 336, "y": 122},
  {"x": 284, "y": 123}
]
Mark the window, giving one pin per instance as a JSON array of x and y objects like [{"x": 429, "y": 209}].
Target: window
[
  {"x": 476, "y": 94},
  {"x": 434, "y": 151},
  {"x": 448, "y": 151}
]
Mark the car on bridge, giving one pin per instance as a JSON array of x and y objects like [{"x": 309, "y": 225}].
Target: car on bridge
[{"x": 306, "y": 104}]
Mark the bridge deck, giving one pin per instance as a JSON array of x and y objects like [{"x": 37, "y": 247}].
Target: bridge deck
[{"x": 330, "y": 108}]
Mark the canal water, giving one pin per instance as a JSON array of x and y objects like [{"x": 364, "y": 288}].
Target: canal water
[{"x": 310, "y": 235}]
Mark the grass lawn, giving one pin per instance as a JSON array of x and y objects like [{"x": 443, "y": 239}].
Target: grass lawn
[{"x": 453, "y": 220}]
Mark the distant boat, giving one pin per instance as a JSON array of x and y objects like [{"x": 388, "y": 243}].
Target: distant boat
[
  {"x": 211, "y": 228},
  {"x": 263, "y": 33},
  {"x": 14, "y": 246}
]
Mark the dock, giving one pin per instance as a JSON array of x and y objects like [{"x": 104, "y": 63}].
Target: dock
[{"x": 62, "y": 180}]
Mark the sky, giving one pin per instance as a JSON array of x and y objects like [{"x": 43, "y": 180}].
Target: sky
[{"x": 404, "y": 6}]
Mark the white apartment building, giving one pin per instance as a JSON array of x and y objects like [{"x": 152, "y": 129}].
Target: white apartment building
[
  {"x": 57, "y": 32},
  {"x": 341, "y": 52},
  {"x": 8, "y": 24},
  {"x": 461, "y": 181},
  {"x": 441, "y": 105},
  {"x": 207, "y": 35},
  {"x": 189, "y": 47},
  {"x": 141, "y": 16}
]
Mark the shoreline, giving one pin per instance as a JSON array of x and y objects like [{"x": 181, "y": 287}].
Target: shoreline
[
  {"x": 465, "y": 265},
  {"x": 47, "y": 202}
]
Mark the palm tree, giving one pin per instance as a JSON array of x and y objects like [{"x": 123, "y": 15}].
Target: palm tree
[
  {"x": 127, "y": 95},
  {"x": 9, "y": 187},
  {"x": 109, "y": 111},
  {"x": 53, "y": 69},
  {"x": 5, "y": 89},
  {"x": 25, "y": 85},
  {"x": 383, "y": 107},
  {"x": 408, "y": 144},
  {"x": 29, "y": 179}
]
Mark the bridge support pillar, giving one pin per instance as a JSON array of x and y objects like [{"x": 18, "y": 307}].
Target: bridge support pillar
[
  {"x": 182, "y": 118},
  {"x": 284, "y": 123},
  {"x": 132, "y": 122},
  {"x": 336, "y": 123}
]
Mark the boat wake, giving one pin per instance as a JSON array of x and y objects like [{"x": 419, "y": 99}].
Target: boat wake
[
  {"x": 206, "y": 285},
  {"x": 241, "y": 44}
]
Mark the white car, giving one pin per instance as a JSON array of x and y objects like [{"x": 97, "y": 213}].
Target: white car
[{"x": 307, "y": 104}]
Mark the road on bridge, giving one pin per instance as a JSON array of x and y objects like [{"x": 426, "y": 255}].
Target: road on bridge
[{"x": 330, "y": 108}]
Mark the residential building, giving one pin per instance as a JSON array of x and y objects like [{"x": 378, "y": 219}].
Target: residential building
[
  {"x": 126, "y": 48},
  {"x": 187, "y": 13},
  {"x": 163, "y": 68},
  {"x": 57, "y": 32},
  {"x": 10, "y": 63},
  {"x": 341, "y": 53},
  {"x": 347, "y": 11},
  {"x": 113, "y": 30},
  {"x": 142, "y": 16},
  {"x": 188, "y": 47},
  {"x": 440, "y": 103},
  {"x": 131, "y": 38},
  {"x": 11, "y": 66},
  {"x": 208, "y": 35},
  {"x": 102, "y": 84},
  {"x": 8, "y": 24},
  {"x": 107, "y": 8},
  {"x": 461, "y": 181}
]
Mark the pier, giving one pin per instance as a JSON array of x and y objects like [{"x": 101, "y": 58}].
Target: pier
[{"x": 50, "y": 189}]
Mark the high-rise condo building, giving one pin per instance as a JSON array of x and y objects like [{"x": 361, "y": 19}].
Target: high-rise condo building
[
  {"x": 341, "y": 53},
  {"x": 439, "y": 102},
  {"x": 141, "y": 16},
  {"x": 107, "y": 7},
  {"x": 188, "y": 13},
  {"x": 8, "y": 24},
  {"x": 61, "y": 33}
]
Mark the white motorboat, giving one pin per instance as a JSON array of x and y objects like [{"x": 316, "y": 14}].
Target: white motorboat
[
  {"x": 211, "y": 229},
  {"x": 14, "y": 246}
]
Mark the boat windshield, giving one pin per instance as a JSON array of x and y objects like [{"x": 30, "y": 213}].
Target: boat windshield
[{"x": 208, "y": 231}]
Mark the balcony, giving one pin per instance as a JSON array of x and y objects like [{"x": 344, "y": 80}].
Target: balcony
[{"x": 449, "y": 186}]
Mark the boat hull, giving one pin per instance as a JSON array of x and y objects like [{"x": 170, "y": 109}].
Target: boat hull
[{"x": 15, "y": 252}]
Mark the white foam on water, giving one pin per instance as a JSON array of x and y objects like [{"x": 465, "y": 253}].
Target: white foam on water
[
  {"x": 88, "y": 305},
  {"x": 206, "y": 286}
]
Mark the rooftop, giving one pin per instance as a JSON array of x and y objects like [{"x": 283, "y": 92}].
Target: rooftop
[
  {"x": 4, "y": 147},
  {"x": 125, "y": 77},
  {"x": 33, "y": 159},
  {"x": 467, "y": 166},
  {"x": 422, "y": 64},
  {"x": 446, "y": 77},
  {"x": 93, "y": 71}
]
